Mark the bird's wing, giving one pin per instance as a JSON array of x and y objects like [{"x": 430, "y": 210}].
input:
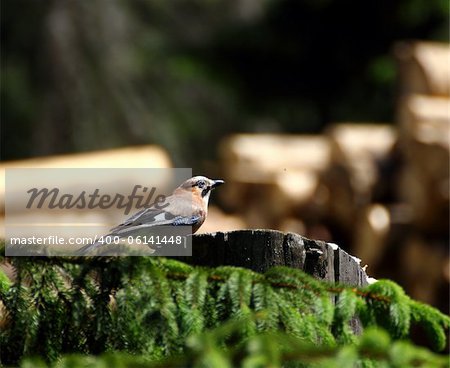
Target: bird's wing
[
  {"x": 149, "y": 215},
  {"x": 177, "y": 211}
]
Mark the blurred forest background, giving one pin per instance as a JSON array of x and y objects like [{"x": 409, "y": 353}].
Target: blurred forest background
[
  {"x": 87, "y": 75},
  {"x": 187, "y": 75}
]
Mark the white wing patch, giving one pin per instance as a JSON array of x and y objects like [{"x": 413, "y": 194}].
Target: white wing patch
[{"x": 160, "y": 217}]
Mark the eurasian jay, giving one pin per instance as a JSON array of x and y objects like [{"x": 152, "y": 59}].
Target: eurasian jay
[{"x": 186, "y": 206}]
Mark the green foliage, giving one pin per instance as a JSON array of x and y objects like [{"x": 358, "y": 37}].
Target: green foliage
[
  {"x": 344, "y": 311},
  {"x": 373, "y": 349},
  {"x": 394, "y": 314},
  {"x": 165, "y": 313},
  {"x": 429, "y": 317}
]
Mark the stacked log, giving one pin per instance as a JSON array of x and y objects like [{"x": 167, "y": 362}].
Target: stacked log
[
  {"x": 423, "y": 116},
  {"x": 423, "y": 68},
  {"x": 356, "y": 151},
  {"x": 381, "y": 191},
  {"x": 425, "y": 122},
  {"x": 272, "y": 177},
  {"x": 111, "y": 182}
]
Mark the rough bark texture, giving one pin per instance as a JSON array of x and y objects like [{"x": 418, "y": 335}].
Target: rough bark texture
[{"x": 259, "y": 250}]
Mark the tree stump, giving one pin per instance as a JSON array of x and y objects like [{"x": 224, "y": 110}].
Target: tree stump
[{"x": 259, "y": 250}]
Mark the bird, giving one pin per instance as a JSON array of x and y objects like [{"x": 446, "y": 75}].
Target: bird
[{"x": 186, "y": 206}]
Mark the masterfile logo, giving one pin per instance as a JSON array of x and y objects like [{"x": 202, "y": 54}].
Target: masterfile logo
[
  {"x": 58, "y": 211},
  {"x": 53, "y": 198}
]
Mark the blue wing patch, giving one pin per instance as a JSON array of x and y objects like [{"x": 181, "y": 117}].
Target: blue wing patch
[{"x": 186, "y": 221}]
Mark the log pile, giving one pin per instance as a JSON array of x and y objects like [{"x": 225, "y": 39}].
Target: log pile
[
  {"x": 424, "y": 125},
  {"x": 424, "y": 140},
  {"x": 111, "y": 182},
  {"x": 381, "y": 191},
  {"x": 270, "y": 178}
]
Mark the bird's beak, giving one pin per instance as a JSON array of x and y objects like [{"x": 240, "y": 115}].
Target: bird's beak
[{"x": 216, "y": 183}]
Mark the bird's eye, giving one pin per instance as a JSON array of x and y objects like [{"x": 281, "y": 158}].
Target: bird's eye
[{"x": 201, "y": 184}]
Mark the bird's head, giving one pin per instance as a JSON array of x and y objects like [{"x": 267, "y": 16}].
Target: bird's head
[{"x": 201, "y": 186}]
